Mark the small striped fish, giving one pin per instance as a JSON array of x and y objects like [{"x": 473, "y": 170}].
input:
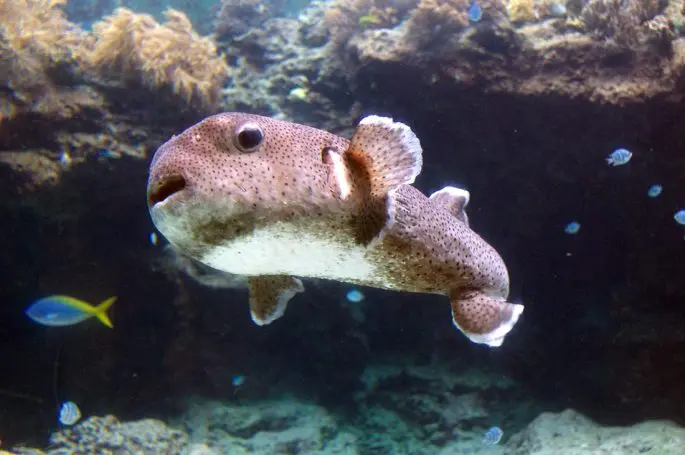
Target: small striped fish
[
  {"x": 654, "y": 190},
  {"x": 619, "y": 157},
  {"x": 492, "y": 436},
  {"x": 69, "y": 413},
  {"x": 679, "y": 217}
]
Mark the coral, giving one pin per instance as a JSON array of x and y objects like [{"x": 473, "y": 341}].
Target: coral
[
  {"x": 623, "y": 21},
  {"x": 40, "y": 28},
  {"x": 108, "y": 435},
  {"x": 41, "y": 53},
  {"x": 545, "y": 57},
  {"x": 274, "y": 67},
  {"x": 521, "y": 11},
  {"x": 658, "y": 30},
  {"x": 237, "y": 17},
  {"x": 436, "y": 20},
  {"x": 30, "y": 169},
  {"x": 430, "y": 12},
  {"x": 675, "y": 14},
  {"x": 119, "y": 139},
  {"x": 170, "y": 55},
  {"x": 345, "y": 18},
  {"x": 423, "y": 24}
]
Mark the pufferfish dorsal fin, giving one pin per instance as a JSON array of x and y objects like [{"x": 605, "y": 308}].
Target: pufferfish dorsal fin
[
  {"x": 454, "y": 200},
  {"x": 269, "y": 296},
  {"x": 382, "y": 155}
]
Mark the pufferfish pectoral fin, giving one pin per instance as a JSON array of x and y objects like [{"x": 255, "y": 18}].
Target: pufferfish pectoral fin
[
  {"x": 454, "y": 200},
  {"x": 483, "y": 319},
  {"x": 382, "y": 155},
  {"x": 269, "y": 296},
  {"x": 388, "y": 152}
]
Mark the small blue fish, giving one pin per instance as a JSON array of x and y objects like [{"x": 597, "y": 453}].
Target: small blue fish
[
  {"x": 557, "y": 9},
  {"x": 654, "y": 190},
  {"x": 354, "y": 296},
  {"x": 619, "y": 157},
  {"x": 69, "y": 413},
  {"x": 105, "y": 153},
  {"x": 62, "y": 310},
  {"x": 679, "y": 217},
  {"x": 475, "y": 13},
  {"x": 238, "y": 380},
  {"x": 572, "y": 228},
  {"x": 65, "y": 159},
  {"x": 493, "y": 436}
]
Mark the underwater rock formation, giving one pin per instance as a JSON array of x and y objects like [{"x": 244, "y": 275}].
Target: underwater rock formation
[
  {"x": 277, "y": 427},
  {"x": 108, "y": 435},
  {"x": 598, "y": 52},
  {"x": 272, "y": 427},
  {"x": 571, "y": 433},
  {"x": 534, "y": 60}
]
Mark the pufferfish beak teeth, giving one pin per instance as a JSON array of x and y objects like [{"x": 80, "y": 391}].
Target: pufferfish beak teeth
[{"x": 161, "y": 189}]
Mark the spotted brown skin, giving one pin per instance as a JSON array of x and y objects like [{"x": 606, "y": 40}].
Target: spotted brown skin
[
  {"x": 266, "y": 198},
  {"x": 257, "y": 183},
  {"x": 427, "y": 251},
  {"x": 213, "y": 165}
]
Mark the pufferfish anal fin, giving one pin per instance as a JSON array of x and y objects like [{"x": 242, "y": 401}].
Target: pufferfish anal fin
[
  {"x": 269, "y": 296},
  {"x": 483, "y": 319},
  {"x": 454, "y": 200},
  {"x": 382, "y": 155}
]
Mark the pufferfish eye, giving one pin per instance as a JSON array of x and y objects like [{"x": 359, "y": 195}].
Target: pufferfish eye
[{"x": 248, "y": 137}]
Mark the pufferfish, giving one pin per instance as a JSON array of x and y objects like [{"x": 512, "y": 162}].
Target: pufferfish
[{"x": 274, "y": 201}]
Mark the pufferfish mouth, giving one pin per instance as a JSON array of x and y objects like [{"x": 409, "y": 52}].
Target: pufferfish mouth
[{"x": 164, "y": 188}]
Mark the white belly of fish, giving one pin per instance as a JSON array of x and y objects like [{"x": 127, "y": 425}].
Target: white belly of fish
[{"x": 283, "y": 249}]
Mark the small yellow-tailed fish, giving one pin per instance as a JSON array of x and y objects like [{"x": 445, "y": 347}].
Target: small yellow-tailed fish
[{"x": 63, "y": 310}]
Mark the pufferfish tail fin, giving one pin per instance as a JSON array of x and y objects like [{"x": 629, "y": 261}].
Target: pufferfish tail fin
[
  {"x": 483, "y": 319},
  {"x": 382, "y": 155},
  {"x": 100, "y": 311}
]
